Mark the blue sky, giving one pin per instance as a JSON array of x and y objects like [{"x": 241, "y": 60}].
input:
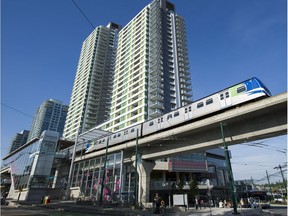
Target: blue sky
[{"x": 229, "y": 41}]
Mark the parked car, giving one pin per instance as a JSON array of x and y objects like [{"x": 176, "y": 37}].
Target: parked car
[{"x": 278, "y": 198}]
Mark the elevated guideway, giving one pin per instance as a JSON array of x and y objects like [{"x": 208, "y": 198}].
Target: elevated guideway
[{"x": 249, "y": 122}]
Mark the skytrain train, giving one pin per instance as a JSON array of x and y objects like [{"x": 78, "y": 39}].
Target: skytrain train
[{"x": 243, "y": 92}]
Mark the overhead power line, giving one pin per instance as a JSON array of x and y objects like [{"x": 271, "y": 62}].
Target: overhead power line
[
  {"x": 17, "y": 110},
  {"x": 275, "y": 174},
  {"x": 83, "y": 14}
]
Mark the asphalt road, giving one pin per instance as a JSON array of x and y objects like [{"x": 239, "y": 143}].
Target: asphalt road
[
  {"x": 275, "y": 210},
  {"x": 33, "y": 210}
]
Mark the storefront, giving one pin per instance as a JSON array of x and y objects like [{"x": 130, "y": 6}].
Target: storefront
[{"x": 93, "y": 176}]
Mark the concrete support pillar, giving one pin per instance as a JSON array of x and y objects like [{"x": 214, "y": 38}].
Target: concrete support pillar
[{"x": 144, "y": 170}]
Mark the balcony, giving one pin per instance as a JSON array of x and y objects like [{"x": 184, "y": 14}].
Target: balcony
[
  {"x": 156, "y": 97},
  {"x": 157, "y": 104},
  {"x": 155, "y": 113}
]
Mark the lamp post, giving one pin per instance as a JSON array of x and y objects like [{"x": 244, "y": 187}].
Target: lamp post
[
  {"x": 104, "y": 172},
  {"x": 209, "y": 194},
  {"x": 136, "y": 174},
  {"x": 270, "y": 190},
  {"x": 230, "y": 174},
  {"x": 71, "y": 165}
]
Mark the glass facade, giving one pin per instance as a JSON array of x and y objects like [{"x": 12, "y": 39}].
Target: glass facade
[
  {"x": 21, "y": 165},
  {"x": 88, "y": 177},
  {"x": 31, "y": 165}
]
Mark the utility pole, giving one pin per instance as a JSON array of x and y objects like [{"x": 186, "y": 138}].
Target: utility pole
[
  {"x": 230, "y": 174},
  {"x": 136, "y": 174},
  {"x": 104, "y": 172},
  {"x": 284, "y": 181},
  {"x": 269, "y": 183},
  {"x": 67, "y": 195}
]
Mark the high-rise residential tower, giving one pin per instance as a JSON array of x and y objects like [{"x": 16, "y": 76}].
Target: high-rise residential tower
[
  {"x": 91, "y": 95},
  {"x": 152, "y": 67},
  {"x": 18, "y": 140},
  {"x": 51, "y": 115}
]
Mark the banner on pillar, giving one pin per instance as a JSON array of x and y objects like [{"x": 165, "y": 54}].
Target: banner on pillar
[{"x": 189, "y": 162}]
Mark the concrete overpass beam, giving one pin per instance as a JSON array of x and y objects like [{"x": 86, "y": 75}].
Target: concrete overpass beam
[{"x": 144, "y": 170}]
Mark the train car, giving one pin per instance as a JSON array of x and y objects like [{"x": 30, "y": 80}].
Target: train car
[
  {"x": 245, "y": 91},
  {"x": 125, "y": 134},
  {"x": 169, "y": 119},
  {"x": 98, "y": 144}
]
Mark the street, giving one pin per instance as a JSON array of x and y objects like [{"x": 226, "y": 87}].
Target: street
[
  {"x": 72, "y": 210},
  {"x": 277, "y": 210}
]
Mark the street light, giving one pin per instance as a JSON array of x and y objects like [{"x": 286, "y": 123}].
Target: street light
[
  {"x": 136, "y": 173},
  {"x": 104, "y": 172},
  {"x": 209, "y": 194},
  {"x": 230, "y": 174}
]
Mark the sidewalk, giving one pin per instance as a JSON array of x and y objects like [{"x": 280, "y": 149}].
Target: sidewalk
[
  {"x": 71, "y": 206},
  {"x": 224, "y": 211}
]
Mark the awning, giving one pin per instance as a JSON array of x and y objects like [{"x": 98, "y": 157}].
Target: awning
[{"x": 92, "y": 134}]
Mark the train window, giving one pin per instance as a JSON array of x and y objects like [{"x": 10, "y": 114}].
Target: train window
[
  {"x": 119, "y": 134},
  {"x": 160, "y": 120},
  {"x": 199, "y": 105},
  {"x": 151, "y": 123},
  {"x": 125, "y": 132},
  {"x": 241, "y": 89},
  {"x": 176, "y": 114},
  {"x": 114, "y": 136},
  {"x": 227, "y": 94},
  {"x": 132, "y": 130},
  {"x": 169, "y": 116},
  {"x": 221, "y": 96},
  {"x": 103, "y": 140},
  {"x": 209, "y": 101},
  {"x": 188, "y": 109},
  {"x": 100, "y": 141}
]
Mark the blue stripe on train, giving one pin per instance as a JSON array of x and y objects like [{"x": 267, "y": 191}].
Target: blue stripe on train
[{"x": 255, "y": 92}]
